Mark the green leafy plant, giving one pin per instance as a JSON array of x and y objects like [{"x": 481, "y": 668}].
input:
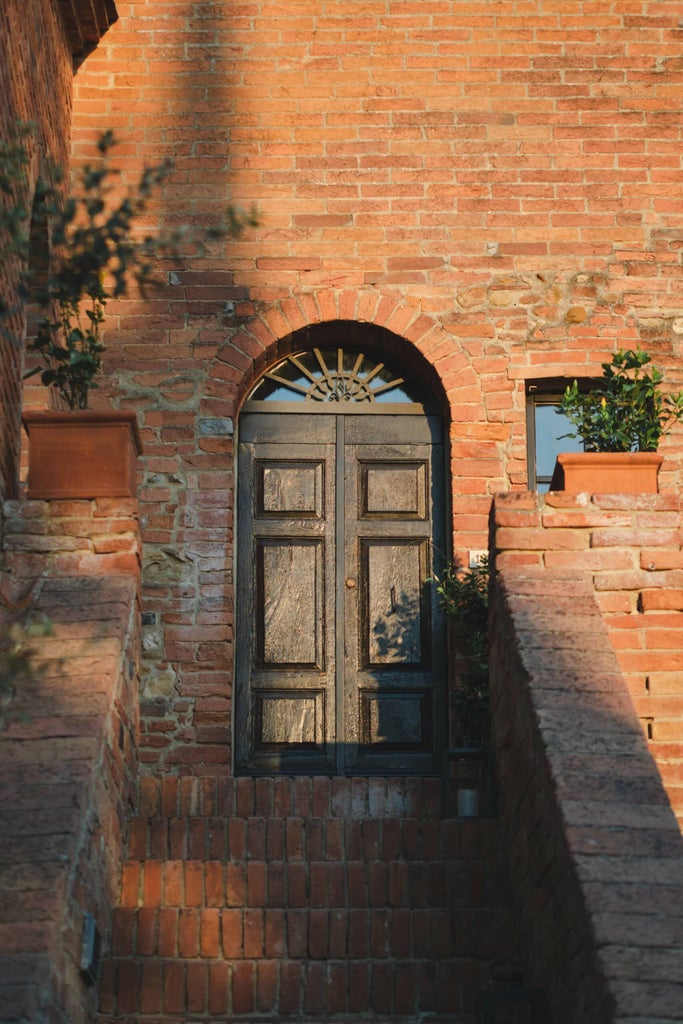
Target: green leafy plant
[
  {"x": 98, "y": 253},
  {"x": 627, "y": 411},
  {"x": 464, "y": 597}
]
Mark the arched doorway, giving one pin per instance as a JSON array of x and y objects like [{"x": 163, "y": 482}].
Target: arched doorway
[{"x": 341, "y": 502}]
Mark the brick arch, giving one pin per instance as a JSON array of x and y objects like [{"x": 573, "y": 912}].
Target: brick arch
[{"x": 268, "y": 337}]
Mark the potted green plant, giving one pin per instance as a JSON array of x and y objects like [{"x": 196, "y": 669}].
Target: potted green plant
[
  {"x": 75, "y": 452},
  {"x": 98, "y": 254},
  {"x": 620, "y": 422}
]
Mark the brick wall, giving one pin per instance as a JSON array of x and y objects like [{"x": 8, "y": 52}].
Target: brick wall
[
  {"x": 494, "y": 184},
  {"x": 68, "y": 758},
  {"x": 35, "y": 86},
  {"x": 596, "y": 854},
  {"x": 630, "y": 548}
]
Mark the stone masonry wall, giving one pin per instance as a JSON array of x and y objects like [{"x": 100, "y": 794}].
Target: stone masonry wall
[
  {"x": 68, "y": 757},
  {"x": 596, "y": 854},
  {"x": 495, "y": 184}
]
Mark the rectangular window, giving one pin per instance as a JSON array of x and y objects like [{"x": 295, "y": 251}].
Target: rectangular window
[{"x": 545, "y": 427}]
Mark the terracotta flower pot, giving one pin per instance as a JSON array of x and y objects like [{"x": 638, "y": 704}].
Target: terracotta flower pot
[
  {"x": 607, "y": 472},
  {"x": 83, "y": 454}
]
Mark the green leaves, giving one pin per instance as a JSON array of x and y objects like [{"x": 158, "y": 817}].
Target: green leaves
[
  {"x": 96, "y": 254},
  {"x": 464, "y": 596},
  {"x": 627, "y": 412}
]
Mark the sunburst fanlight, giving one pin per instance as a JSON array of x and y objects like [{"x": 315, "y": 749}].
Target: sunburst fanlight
[{"x": 336, "y": 375}]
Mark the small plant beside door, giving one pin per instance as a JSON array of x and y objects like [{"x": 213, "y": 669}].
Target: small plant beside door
[{"x": 464, "y": 597}]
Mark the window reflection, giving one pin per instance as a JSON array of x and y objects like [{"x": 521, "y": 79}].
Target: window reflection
[{"x": 547, "y": 429}]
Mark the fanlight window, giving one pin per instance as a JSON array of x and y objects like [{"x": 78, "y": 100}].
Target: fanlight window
[{"x": 332, "y": 376}]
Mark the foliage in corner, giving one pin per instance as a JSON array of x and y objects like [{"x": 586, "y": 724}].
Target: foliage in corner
[
  {"x": 464, "y": 597},
  {"x": 98, "y": 254},
  {"x": 627, "y": 411}
]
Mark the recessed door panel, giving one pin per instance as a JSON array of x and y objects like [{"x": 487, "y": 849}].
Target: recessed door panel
[
  {"x": 393, "y": 490},
  {"x": 391, "y": 610},
  {"x": 288, "y": 488},
  {"x": 290, "y": 603},
  {"x": 289, "y": 719},
  {"x": 392, "y": 720}
]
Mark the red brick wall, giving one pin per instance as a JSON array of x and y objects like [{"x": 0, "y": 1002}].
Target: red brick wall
[
  {"x": 596, "y": 854},
  {"x": 494, "y": 183},
  {"x": 630, "y": 548},
  {"x": 68, "y": 759},
  {"x": 35, "y": 86}
]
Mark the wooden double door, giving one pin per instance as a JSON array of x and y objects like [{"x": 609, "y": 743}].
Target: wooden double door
[{"x": 339, "y": 646}]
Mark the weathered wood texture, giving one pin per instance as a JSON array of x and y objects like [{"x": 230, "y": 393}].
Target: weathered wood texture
[{"x": 338, "y": 645}]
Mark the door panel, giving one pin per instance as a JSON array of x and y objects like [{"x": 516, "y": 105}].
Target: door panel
[
  {"x": 391, "y": 605},
  {"x": 290, "y": 489},
  {"x": 289, "y": 719},
  {"x": 393, "y": 663},
  {"x": 395, "y": 722},
  {"x": 394, "y": 489},
  {"x": 339, "y": 651},
  {"x": 285, "y": 675},
  {"x": 289, "y": 620}
]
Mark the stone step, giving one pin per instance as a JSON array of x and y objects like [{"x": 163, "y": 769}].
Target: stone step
[
  {"x": 260, "y": 1018},
  {"x": 257, "y": 900}
]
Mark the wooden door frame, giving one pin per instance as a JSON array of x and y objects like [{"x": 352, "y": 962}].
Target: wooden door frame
[{"x": 440, "y": 520}]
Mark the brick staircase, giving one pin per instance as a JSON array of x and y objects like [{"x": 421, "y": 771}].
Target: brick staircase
[{"x": 305, "y": 899}]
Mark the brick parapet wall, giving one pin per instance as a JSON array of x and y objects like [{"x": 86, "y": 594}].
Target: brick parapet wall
[
  {"x": 68, "y": 758},
  {"x": 631, "y": 548},
  {"x": 596, "y": 855},
  {"x": 71, "y": 538}
]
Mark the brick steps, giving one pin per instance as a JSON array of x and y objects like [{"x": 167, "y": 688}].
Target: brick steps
[
  {"x": 261, "y": 1018},
  {"x": 298, "y": 989},
  {"x": 394, "y": 917}
]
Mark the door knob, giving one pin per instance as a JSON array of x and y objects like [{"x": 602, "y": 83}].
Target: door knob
[{"x": 350, "y": 582}]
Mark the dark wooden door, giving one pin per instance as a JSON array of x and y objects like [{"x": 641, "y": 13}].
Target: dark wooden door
[{"x": 339, "y": 660}]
